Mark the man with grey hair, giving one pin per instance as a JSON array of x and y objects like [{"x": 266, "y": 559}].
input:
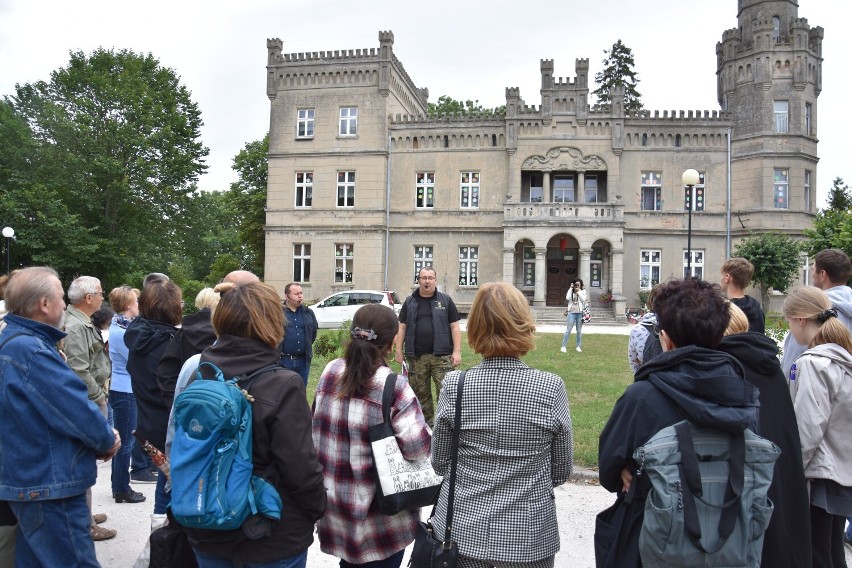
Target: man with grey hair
[
  {"x": 87, "y": 356},
  {"x": 50, "y": 447}
]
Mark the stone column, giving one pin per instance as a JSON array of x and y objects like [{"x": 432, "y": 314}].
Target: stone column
[
  {"x": 617, "y": 269},
  {"x": 540, "y": 276},
  {"x": 581, "y": 189},
  {"x": 585, "y": 266},
  {"x": 547, "y": 197},
  {"x": 509, "y": 265}
]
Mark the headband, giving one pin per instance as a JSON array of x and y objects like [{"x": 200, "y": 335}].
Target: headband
[{"x": 365, "y": 334}]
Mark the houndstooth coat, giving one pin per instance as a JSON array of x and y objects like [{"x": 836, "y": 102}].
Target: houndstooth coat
[{"x": 515, "y": 446}]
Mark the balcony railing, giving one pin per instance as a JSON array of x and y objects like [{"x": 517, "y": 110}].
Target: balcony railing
[{"x": 600, "y": 212}]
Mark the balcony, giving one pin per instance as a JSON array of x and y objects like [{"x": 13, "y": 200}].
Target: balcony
[{"x": 586, "y": 213}]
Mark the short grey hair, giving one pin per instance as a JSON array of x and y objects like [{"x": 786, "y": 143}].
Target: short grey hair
[
  {"x": 81, "y": 286},
  {"x": 27, "y": 288}
]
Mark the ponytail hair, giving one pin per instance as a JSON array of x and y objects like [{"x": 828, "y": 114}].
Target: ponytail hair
[
  {"x": 372, "y": 332},
  {"x": 813, "y": 304}
]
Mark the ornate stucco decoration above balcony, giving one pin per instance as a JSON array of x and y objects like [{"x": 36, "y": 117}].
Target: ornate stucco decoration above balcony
[{"x": 564, "y": 158}]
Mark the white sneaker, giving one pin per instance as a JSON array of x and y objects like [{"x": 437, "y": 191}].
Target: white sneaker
[
  {"x": 579, "y": 350},
  {"x": 564, "y": 350}
]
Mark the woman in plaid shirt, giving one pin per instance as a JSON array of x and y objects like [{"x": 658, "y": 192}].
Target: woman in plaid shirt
[{"x": 347, "y": 402}]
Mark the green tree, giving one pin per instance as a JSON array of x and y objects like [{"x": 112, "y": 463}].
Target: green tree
[
  {"x": 618, "y": 72},
  {"x": 223, "y": 264},
  {"x": 447, "y": 105},
  {"x": 832, "y": 226},
  {"x": 247, "y": 199},
  {"x": 776, "y": 261},
  {"x": 117, "y": 141}
]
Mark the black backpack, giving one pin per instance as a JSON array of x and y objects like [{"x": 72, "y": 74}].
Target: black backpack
[{"x": 653, "y": 347}]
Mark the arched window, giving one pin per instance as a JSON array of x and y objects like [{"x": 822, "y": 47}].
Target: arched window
[{"x": 776, "y": 29}]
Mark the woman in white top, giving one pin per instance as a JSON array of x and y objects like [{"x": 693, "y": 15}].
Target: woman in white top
[
  {"x": 576, "y": 297},
  {"x": 821, "y": 386}
]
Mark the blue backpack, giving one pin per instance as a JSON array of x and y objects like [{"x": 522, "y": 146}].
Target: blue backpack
[{"x": 211, "y": 459}]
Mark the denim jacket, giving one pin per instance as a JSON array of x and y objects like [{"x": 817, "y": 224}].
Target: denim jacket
[{"x": 51, "y": 432}]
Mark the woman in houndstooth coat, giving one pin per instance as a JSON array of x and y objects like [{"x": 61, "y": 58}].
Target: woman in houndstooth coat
[{"x": 515, "y": 443}]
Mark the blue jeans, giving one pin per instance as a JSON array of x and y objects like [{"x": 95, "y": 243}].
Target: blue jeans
[
  {"x": 162, "y": 498},
  {"x": 54, "y": 532},
  {"x": 123, "y": 405},
  {"x": 300, "y": 366},
  {"x": 389, "y": 562},
  {"x": 298, "y": 561},
  {"x": 574, "y": 320}
]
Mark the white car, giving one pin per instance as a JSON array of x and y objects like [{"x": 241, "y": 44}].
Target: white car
[{"x": 337, "y": 308}]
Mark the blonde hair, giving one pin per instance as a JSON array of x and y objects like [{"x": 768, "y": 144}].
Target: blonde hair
[
  {"x": 739, "y": 321},
  {"x": 120, "y": 298},
  {"x": 206, "y": 298},
  {"x": 500, "y": 322},
  {"x": 814, "y": 305}
]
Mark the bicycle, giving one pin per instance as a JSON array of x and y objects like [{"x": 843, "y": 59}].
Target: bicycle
[{"x": 634, "y": 315}]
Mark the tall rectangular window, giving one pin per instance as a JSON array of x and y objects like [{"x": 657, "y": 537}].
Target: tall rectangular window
[
  {"x": 649, "y": 268},
  {"x": 536, "y": 188},
  {"x": 590, "y": 189},
  {"x": 808, "y": 117},
  {"x": 782, "y": 112},
  {"x": 781, "y": 188},
  {"x": 423, "y": 255},
  {"x": 529, "y": 266},
  {"x": 807, "y": 190},
  {"x": 697, "y": 266},
  {"x": 304, "y": 189},
  {"x": 697, "y": 194},
  {"x": 563, "y": 189},
  {"x": 425, "y": 188},
  {"x": 348, "y": 121},
  {"x": 305, "y": 123},
  {"x": 344, "y": 260},
  {"x": 468, "y": 266},
  {"x": 302, "y": 262},
  {"x": 652, "y": 191},
  {"x": 346, "y": 189},
  {"x": 470, "y": 190}
]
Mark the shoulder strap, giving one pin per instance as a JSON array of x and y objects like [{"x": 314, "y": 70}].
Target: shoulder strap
[
  {"x": 448, "y": 536},
  {"x": 10, "y": 338},
  {"x": 245, "y": 380},
  {"x": 387, "y": 396}
]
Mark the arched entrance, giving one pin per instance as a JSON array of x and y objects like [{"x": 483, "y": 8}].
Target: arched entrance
[{"x": 563, "y": 266}]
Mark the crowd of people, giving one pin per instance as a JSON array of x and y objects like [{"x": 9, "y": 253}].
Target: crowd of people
[{"x": 91, "y": 382}]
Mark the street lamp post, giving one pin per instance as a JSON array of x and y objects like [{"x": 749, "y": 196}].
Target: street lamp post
[
  {"x": 9, "y": 233},
  {"x": 690, "y": 179}
]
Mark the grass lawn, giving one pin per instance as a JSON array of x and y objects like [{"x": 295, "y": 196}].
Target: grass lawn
[{"x": 594, "y": 379}]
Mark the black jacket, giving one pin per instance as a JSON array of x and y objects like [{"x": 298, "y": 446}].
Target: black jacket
[
  {"x": 194, "y": 336},
  {"x": 281, "y": 438},
  {"x": 701, "y": 385},
  {"x": 146, "y": 342},
  {"x": 788, "y": 537},
  {"x": 751, "y": 308}
]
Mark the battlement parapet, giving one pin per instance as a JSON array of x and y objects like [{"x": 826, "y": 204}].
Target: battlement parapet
[
  {"x": 327, "y": 56},
  {"x": 698, "y": 115},
  {"x": 443, "y": 118},
  {"x": 565, "y": 82},
  {"x": 731, "y": 34},
  {"x": 581, "y": 63},
  {"x": 546, "y": 65},
  {"x": 800, "y": 23},
  {"x": 513, "y": 93}
]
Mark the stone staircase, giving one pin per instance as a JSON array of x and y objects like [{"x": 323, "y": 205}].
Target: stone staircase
[{"x": 553, "y": 315}]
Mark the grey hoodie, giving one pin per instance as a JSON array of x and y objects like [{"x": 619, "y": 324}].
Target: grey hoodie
[{"x": 841, "y": 300}]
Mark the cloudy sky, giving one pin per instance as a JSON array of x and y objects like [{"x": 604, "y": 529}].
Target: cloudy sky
[{"x": 468, "y": 49}]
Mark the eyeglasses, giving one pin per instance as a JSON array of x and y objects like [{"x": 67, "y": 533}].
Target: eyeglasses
[
  {"x": 657, "y": 329},
  {"x": 97, "y": 294},
  {"x": 427, "y": 278}
]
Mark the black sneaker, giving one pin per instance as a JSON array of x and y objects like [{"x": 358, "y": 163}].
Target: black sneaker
[{"x": 144, "y": 477}]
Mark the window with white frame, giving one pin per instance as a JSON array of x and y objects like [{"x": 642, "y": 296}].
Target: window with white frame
[
  {"x": 807, "y": 190},
  {"x": 782, "y": 112},
  {"x": 652, "y": 191},
  {"x": 590, "y": 188},
  {"x": 529, "y": 266},
  {"x": 468, "y": 266},
  {"x": 469, "y": 190},
  {"x": 344, "y": 255},
  {"x": 697, "y": 195},
  {"x": 781, "y": 188},
  {"x": 649, "y": 268},
  {"x": 425, "y": 189},
  {"x": 563, "y": 189},
  {"x": 302, "y": 262},
  {"x": 806, "y": 270},
  {"x": 346, "y": 189},
  {"x": 304, "y": 189},
  {"x": 808, "y": 118},
  {"x": 423, "y": 255},
  {"x": 305, "y": 123},
  {"x": 696, "y": 267},
  {"x": 348, "y": 121}
]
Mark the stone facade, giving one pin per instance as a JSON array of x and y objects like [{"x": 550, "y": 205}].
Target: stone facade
[{"x": 364, "y": 187}]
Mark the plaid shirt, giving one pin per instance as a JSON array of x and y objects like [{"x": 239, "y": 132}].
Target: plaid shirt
[{"x": 353, "y": 528}]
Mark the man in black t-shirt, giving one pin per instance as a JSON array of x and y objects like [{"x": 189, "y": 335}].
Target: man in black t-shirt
[
  {"x": 430, "y": 333},
  {"x": 736, "y": 275}
]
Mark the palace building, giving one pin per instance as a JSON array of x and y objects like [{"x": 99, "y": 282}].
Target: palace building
[{"x": 365, "y": 187}]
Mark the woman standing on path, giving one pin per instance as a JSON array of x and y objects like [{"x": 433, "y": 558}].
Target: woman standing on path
[
  {"x": 821, "y": 386},
  {"x": 576, "y": 297}
]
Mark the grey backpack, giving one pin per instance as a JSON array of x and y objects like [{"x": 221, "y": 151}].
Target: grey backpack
[{"x": 707, "y": 505}]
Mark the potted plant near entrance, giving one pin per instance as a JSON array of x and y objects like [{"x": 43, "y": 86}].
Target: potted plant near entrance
[{"x": 605, "y": 299}]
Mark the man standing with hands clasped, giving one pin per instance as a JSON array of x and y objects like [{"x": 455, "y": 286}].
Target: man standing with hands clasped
[
  {"x": 429, "y": 330},
  {"x": 50, "y": 447}
]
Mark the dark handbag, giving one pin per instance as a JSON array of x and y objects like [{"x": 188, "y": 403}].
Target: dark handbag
[
  {"x": 401, "y": 484},
  {"x": 429, "y": 551},
  {"x": 170, "y": 546}
]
